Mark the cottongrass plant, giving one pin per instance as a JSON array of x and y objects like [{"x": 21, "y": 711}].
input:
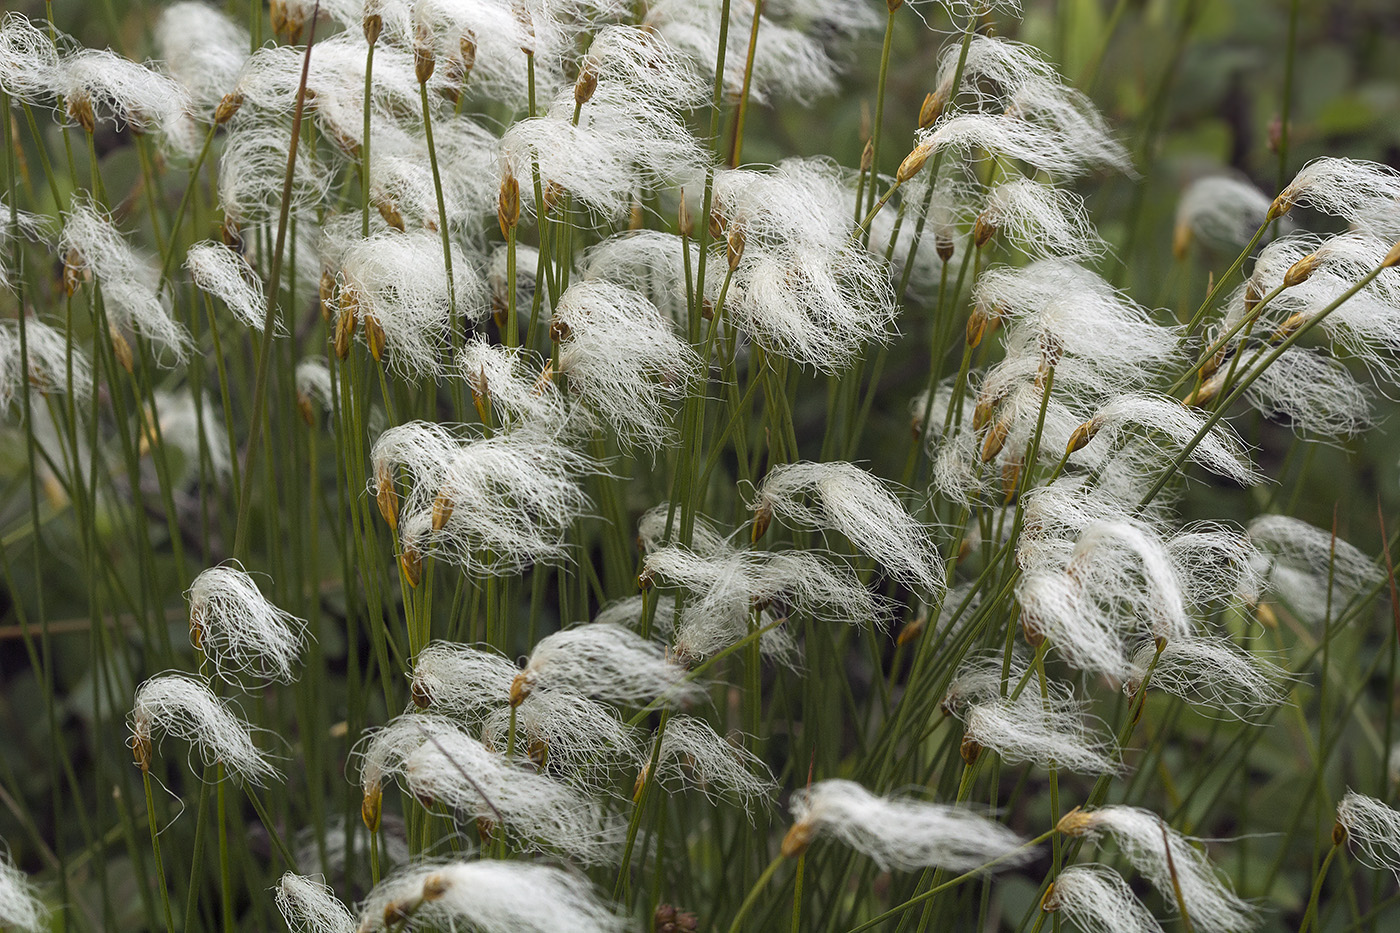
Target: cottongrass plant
[{"x": 592, "y": 582}]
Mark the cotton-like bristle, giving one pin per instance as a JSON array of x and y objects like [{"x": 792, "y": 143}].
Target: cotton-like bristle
[
  {"x": 194, "y": 435},
  {"x": 239, "y": 629},
  {"x": 130, "y": 283},
  {"x": 48, "y": 351},
  {"x": 1220, "y": 211},
  {"x": 902, "y": 833},
  {"x": 1049, "y": 731},
  {"x": 20, "y": 907},
  {"x": 1040, "y": 220},
  {"x": 623, "y": 360},
  {"x": 534, "y": 809},
  {"x": 1172, "y": 864},
  {"x": 1372, "y": 827},
  {"x": 1342, "y": 187},
  {"x": 515, "y": 384},
  {"x": 251, "y": 172},
  {"x": 506, "y": 897},
  {"x": 461, "y": 681},
  {"x": 694, "y": 755},
  {"x": 28, "y": 60},
  {"x": 100, "y": 85},
  {"x": 568, "y": 736},
  {"x": 1332, "y": 562},
  {"x": 1096, "y": 899},
  {"x": 843, "y": 497},
  {"x": 227, "y": 276},
  {"x": 1164, "y": 421},
  {"x": 179, "y": 705},
  {"x": 313, "y": 382},
  {"x": 1212, "y": 671},
  {"x": 610, "y": 663},
  {"x": 309, "y": 906},
  {"x": 203, "y": 49}
]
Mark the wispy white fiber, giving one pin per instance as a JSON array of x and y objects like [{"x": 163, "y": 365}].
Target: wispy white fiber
[
  {"x": 252, "y": 169},
  {"x": 496, "y": 897},
  {"x": 1342, "y": 187},
  {"x": 514, "y": 382},
  {"x": 1168, "y": 425},
  {"x": 903, "y": 833},
  {"x": 1040, "y": 220},
  {"x": 623, "y": 359},
  {"x": 843, "y": 497},
  {"x": 130, "y": 282},
  {"x": 566, "y": 735},
  {"x": 1212, "y": 671},
  {"x": 1050, "y": 731},
  {"x": 1220, "y": 211},
  {"x": 180, "y": 705},
  {"x": 227, "y": 276},
  {"x": 1096, "y": 899},
  {"x": 183, "y": 428},
  {"x": 48, "y": 362},
  {"x": 694, "y": 755},
  {"x": 309, "y": 906},
  {"x": 1146, "y": 841},
  {"x": 1330, "y": 561},
  {"x": 113, "y": 89},
  {"x": 20, "y": 906},
  {"x": 313, "y": 383},
  {"x": 1373, "y": 828},
  {"x": 203, "y": 49},
  {"x": 609, "y": 663},
  {"x": 1313, "y": 392},
  {"x": 240, "y": 630},
  {"x": 28, "y": 59}
]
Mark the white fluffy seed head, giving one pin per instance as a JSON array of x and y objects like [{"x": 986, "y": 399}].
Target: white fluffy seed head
[
  {"x": 182, "y": 706},
  {"x": 534, "y": 809},
  {"x": 1343, "y": 187},
  {"x": 515, "y": 897},
  {"x": 609, "y": 663},
  {"x": 845, "y": 498},
  {"x": 203, "y": 49},
  {"x": 1212, "y": 671},
  {"x": 902, "y": 833},
  {"x": 1146, "y": 841},
  {"x": 1049, "y": 731},
  {"x": 239, "y": 629},
  {"x": 694, "y": 755},
  {"x": 1373, "y": 828},
  {"x": 1096, "y": 899},
  {"x": 461, "y": 681},
  {"x": 253, "y": 167},
  {"x": 566, "y": 735},
  {"x": 227, "y": 276},
  {"x": 313, "y": 382},
  {"x": 1168, "y": 426},
  {"x": 20, "y": 907},
  {"x": 28, "y": 60},
  {"x": 309, "y": 906},
  {"x": 48, "y": 362},
  {"x": 99, "y": 85},
  {"x": 1219, "y": 211},
  {"x": 401, "y": 280},
  {"x": 1040, "y": 220},
  {"x": 623, "y": 360},
  {"x": 1302, "y": 550},
  {"x": 194, "y": 436},
  {"x": 130, "y": 282},
  {"x": 514, "y": 385},
  {"x": 1312, "y": 392}
]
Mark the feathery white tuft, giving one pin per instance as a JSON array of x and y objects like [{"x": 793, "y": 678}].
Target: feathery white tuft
[
  {"x": 180, "y": 705},
  {"x": 1096, "y": 899},
  {"x": 203, "y": 49},
  {"x": 309, "y": 906},
  {"x": 694, "y": 755},
  {"x": 28, "y": 59},
  {"x": 1220, "y": 211},
  {"x": 20, "y": 907},
  {"x": 1372, "y": 827},
  {"x": 48, "y": 362},
  {"x": 240, "y": 630},
  {"x": 843, "y": 497},
  {"x": 609, "y": 663},
  {"x": 227, "y": 276},
  {"x": 903, "y": 833}
]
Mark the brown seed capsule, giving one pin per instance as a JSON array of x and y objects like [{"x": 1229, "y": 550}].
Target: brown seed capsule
[
  {"x": 1289, "y": 327},
  {"x": 371, "y": 808},
  {"x": 943, "y": 246},
  {"x": 911, "y": 631},
  {"x": 228, "y": 106},
  {"x": 586, "y": 84},
  {"x": 553, "y": 195},
  {"x": 559, "y": 331},
  {"x": 977, "y": 323},
  {"x": 372, "y": 25},
  {"x": 1282, "y": 204},
  {"x": 636, "y": 217},
  {"x": 1392, "y": 257},
  {"x": 411, "y": 562},
  {"x": 1301, "y": 270},
  {"x": 326, "y": 294},
  {"x": 386, "y": 498},
  {"x": 308, "y": 414},
  {"x": 520, "y": 688},
  {"x": 983, "y": 230},
  {"x": 508, "y": 204},
  {"x": 75, "y": 272},
  {"x": 121, "y": 349},
  {"x": 1050, "y": 902},
  {"x": 894, "y": 4},
  {"x": 467, "y": 46},
  {"x": 434, "y": 887},
  {"x": 1206, "y": 392},
  {"x": 798, "y": 838},
  {"x": 1031, "y": 631},
  {"x": 736, "y": 239},
  {"x": 995, "y": 440},
  {"x": 970, "y": 749},
  {"x": 141, "y": 751},
  {"x": 230, "y": 234},
  {"x": 375, "y": 338},
  {"x": 1074, "y": 823},
  {"x": 1181, "y": 241},
  {"x": 1252, "y": 297},
  {"x": 685, "y": 220},
  {"x": 867, "y": 156},
  {"x": 345, "y": 322},
  {"x": 762, "y": 518},
  {"x": 80, "y": 109},
  {"x": 1339, "y": 834},
  {"x": 421, "y": 698},
  {"x": 640, "y": 782},
  {"x": 912, "y": 163},
  {"x": 1010, "y": 480},
  {"x": 932, "y": 108},
  {"x": 277, "y": 13},
  {"x": 1082, "y": 435},
  {"x": 443, "y": 505},
  {"x": 424, "y": 58},
  {"x": 391, "y": 215},
  {"x": 982, "y": 412}
]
